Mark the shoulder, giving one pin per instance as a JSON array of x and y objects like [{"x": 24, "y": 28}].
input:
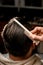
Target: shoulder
[
  {"x": 38, "y": 60},
  {"x": 1, "y": 58},
  {"x": 1, "y": 63}
]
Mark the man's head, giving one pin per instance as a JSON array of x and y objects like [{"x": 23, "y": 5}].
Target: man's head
[{"x": 16, "y": 42}]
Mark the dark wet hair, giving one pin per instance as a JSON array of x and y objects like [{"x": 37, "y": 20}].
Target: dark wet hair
[{"x": 17, "y": 43}]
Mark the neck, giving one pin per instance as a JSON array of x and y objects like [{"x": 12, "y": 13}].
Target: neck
[
  {"x": 29, "y": 54},
  {"x": 16, "y": 58},
  {"x": 19, "y": 58}
]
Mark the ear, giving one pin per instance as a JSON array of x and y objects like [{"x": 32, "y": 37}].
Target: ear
[{"x": 33, "y": 45}]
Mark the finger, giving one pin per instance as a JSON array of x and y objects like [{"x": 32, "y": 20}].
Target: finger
[
  {"x": 34, "y": 30},
  {"x": 37, "y": 30},
  {"x": 39, "y": 38}
]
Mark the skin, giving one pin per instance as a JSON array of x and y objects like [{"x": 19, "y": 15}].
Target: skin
[
  {"x": 38, "y": 33},
  {"x": 29, "y": 54}
]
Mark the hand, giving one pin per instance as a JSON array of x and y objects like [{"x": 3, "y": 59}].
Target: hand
[{"x": 38, "y": 33}]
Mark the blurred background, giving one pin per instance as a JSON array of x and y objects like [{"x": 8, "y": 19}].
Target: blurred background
[{"x": 30, "y": 10}]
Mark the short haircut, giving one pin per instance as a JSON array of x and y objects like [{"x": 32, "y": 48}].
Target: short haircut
[{"x": 16, "y": 42}]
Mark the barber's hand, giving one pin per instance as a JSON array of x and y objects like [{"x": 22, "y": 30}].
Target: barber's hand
[{"x": 38, "y": 33}]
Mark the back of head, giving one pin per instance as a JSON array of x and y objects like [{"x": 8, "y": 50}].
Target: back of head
[{"x": 16, "y": 42}]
